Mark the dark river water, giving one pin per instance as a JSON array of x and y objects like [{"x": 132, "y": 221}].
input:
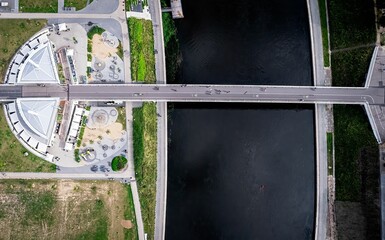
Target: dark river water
[{"x": 242, "y": 171}]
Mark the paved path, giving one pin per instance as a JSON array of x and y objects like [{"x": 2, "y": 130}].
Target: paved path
[
  {"x": 160, "y": 62},
  {"x": 320, "y": 121},
  {"x": 161, "y": 180},
  {"x": 138, "y": 211},
  {"x": 86, "y": 176},
  {"x": 60, "y": 6}
]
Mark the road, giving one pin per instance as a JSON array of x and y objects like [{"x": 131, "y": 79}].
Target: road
[
  {"x": 221, "y": 93},
  {"x": 200, "y": 93}
]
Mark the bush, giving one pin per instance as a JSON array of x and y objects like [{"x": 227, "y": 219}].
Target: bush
[
  {"x": 77, "y": 157},
  {"x": 118, "y": 163},
  {"x": 95, "y": 30}
]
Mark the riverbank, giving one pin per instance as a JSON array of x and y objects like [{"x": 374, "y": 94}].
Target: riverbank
[
  {"x": 171, "y": 45},
  {"x": 352, "y": 39},
  {"x": 145, "y": 142}
]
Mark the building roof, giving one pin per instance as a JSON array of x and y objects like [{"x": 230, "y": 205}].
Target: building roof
[
  {"x": 39, "y": 67},
  {"x": 39, "y": 115}
]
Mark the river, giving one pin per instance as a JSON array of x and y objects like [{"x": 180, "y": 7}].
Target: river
[{"x": 242, "y": 171}]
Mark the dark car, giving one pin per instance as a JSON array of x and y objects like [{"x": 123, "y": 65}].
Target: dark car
[{"x": 94, "y": 168}]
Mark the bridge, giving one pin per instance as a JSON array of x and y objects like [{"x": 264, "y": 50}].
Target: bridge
[
  {"x": 199, "y": 93},
  {"x": 371, "y": 97}
]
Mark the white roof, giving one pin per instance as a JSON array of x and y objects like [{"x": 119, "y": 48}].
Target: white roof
[
  {"x": 18, "y": 127},
  {"x": 33, "y": 43},
  {"x": 25, "y": 136},
  {"x": 11, "y": 107},
  {"x": 43, "y": 38},
  {"x": 75, "y": 126},
  {"x": 42, "y": 147},
  {"x": 33, "y": 142},
  {"x": 73, "y": 133},
  {"x": 39, "y": 67},
  {"x": 78, "y": 110},
  {"x": 19, "y": 58},
  {"x": 62, "y": 27},
  {"x": 14, "y": 68},
  {"x": 38, "y": 114},
  {"x": 77, "y": 119},
  {"x": 68, "y": 146},
  {"x": 25, "y": 50},
  {"x": 11, "y": 78},
  {"x": 14, "y": 117}
]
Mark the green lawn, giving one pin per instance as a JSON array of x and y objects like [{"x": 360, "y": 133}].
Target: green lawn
[
  {"x": 351, "y": 23},
  {"x": 142, "y": 50},
  {"x": 13, "y": 34},
  {"x": 38, "y": 6},
  {"x": 145, "y": 144},
  {"x": 12, "y": 157},
  {"x": 171, "y": 45},
  {"x": 78, "y": 4},
  {"x": 324, "y": 27},
  {"x": 350, "y": 67},
  {"x": 354, "y": 145}
]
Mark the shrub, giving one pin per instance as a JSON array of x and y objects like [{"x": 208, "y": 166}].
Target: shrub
[
  {"x": 95, "y": 30},
  {"x": 77, "y": 157},
  {"x": 118, "y": 163}
]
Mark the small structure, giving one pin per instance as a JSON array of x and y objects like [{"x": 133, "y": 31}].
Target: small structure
[{"x": 176, "y": 7}]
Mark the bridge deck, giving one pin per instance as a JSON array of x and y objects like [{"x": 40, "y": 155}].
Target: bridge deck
[{"x": 200, "y": 93}]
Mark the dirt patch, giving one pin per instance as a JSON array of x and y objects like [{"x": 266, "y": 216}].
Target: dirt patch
[
  {"x": 126, "y": 224},
  {"x": 113, "y": 131},
  {"x": 101, "y": 50}
]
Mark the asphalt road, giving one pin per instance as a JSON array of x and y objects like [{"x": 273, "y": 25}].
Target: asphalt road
[
  {"x": 10, "y": 92},
  {"x": 226, "y": 93},
  {"x": 200, "y": 93}
]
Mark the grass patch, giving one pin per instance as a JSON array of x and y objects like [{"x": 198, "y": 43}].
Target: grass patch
[
  {"x": 80, "y": 137},
  {"x": 324, "y": 28},
  {"x": 142, "y": 50},
  {"x": 122, "y": 116},
  {"x": 351, "y": 23},
  {"x": 120, "y": 50},
  {"x": 38, "y": 6},
  {"x": 129, "y": 213},
  {"x": 171, "y": 45},
  {"x": 349, "y": 68},
  {"x": 12, "y": 157},
  {"x": 38, "y": 206},
  {"x": 94, "y": 30},
  {"x": 78, "y": 4},
  {"x": 13, "y": 34},
  {"x": 64, "y": 209},
  {"x": 354, "y": 143},
  {"x": 145, "y": 143},
  {"x": 329, "y": 139}
]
